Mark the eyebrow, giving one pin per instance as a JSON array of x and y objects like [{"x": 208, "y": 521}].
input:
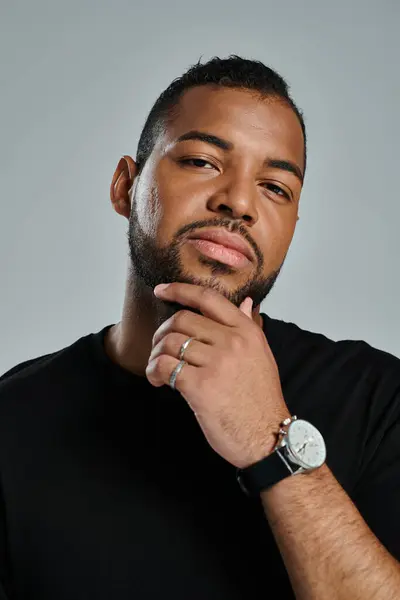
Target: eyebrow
[
  {"x": 209, "y": 138},
  {"x": 285, "y": 165},
  {"x": 206, "y": 137}
]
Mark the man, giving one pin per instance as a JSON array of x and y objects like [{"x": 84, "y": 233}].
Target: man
[{"x": 146, "y": 461}]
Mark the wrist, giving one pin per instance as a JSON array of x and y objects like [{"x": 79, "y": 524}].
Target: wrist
[
  {"x": 302, "y": 484},
  {"x": 262, "y": 451},
  {"x": 267, "y": 444},
  {"x": 300, "y": 449}
]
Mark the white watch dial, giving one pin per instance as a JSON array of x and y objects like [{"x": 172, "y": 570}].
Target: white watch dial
[{"x": 306, "y": 444}]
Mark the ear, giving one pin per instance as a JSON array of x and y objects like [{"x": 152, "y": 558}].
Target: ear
[{"x": 121, "y": 185}]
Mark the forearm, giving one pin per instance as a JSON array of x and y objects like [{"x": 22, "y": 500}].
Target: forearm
[{"x": 328, "y": 549}]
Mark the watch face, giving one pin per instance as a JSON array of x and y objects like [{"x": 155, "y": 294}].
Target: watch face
[{"x": 306, "y": 444}]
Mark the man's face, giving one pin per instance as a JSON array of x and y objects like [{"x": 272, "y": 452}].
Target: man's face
[{"x": 192, "y": 185}]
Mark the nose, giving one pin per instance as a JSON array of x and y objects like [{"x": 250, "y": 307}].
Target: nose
[{"x": 236, "y": 198}]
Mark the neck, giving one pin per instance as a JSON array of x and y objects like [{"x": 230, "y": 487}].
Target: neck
[{"x": 129, "y": 342}]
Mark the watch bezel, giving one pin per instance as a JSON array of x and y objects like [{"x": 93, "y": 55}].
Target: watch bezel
[{"x": 293, "y": 456}]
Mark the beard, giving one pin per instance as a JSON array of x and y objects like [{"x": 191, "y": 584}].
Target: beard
[{"x": 152, "y": 264}]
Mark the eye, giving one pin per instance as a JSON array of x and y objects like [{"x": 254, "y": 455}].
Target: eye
[
  {"x": 196, "y": 162},
  {"x": 276, "y": 189}
]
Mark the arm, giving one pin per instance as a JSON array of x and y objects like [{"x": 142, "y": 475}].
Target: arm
[
  {"x": 327, "y": 547},
  {"x": 329, "y": 551}
]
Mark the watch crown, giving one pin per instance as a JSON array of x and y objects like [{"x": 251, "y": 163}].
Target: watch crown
[{"x": 288, "y": 420}]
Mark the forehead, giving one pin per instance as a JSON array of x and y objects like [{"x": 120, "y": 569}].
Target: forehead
[{"x": 251, "y": 122}]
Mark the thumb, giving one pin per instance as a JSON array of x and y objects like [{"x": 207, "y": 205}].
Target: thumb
[{"x": 246, "y": 307}]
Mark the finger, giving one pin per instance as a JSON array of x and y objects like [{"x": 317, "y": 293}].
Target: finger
[
  {"x": 159, "y": 372},
  {"x": 190, "y": 324},
  {"x": 247, "y": 306},
  {"x": 196, "y": 353},
  {"x": 209, "y": 302}
]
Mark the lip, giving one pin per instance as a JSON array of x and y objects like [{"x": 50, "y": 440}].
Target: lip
[{"x": 223, "y": 237}]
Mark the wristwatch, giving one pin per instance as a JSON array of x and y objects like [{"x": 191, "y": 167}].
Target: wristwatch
[{"x": 300, "y": 449}]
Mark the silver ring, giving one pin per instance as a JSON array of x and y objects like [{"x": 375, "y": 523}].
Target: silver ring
[
  {"x": 184, "y": 346},
  {"x": 175, "y": 372}
]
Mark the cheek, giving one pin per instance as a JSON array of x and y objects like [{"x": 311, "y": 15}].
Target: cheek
[
  {"x": 149, "y": 208},
  {"x": 180, "y": 203},
  {"x": 279, "y": 236},
  {"x": 288, "y": 232}
]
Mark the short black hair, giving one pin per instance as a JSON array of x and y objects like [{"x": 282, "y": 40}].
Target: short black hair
[{"x": 233, "y": 72}]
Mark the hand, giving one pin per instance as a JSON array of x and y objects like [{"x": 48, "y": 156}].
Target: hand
[{"x": 231, "y": 381}]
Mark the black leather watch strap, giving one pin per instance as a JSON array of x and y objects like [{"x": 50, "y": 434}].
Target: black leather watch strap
[{"x": 263, "y": 474}]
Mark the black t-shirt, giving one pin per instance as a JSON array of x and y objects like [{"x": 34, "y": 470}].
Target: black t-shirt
[{"x": 109, "y": 489}]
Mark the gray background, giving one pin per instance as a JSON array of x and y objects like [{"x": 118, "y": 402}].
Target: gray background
[{"x": 77, "y": 81}]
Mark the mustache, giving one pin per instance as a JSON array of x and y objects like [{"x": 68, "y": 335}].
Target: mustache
[{"x": 228, "y": 224}]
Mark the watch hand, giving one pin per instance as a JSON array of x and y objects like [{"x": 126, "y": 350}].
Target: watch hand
[
  {"x": 302, "y": 447},
  {"x": 310, "y": 439}
]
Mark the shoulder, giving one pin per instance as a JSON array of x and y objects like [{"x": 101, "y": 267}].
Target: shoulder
[
  {"x": 349, "y": 389},
  {"x": 351, "y": 378},
  {"x": 49, "y": 370},
  {"x": 354, "y": 355},
  {"x": 24, "y": 368}
]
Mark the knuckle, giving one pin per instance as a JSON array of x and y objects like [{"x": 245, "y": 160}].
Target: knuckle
[
  {"x": 209, "y": 295},
  {"x": 180, "y": 318},
  {"x": 207, "y": 292},
  {"x": 161, "y": 363},
  {"x": 236, "y": 341},
  {"x": 170, "y": 342},
  {"x": 260, "y": 336},
  {"x": 160, "y": 349}
]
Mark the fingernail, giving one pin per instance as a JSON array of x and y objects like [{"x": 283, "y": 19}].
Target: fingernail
[{"x": 160, "y": 287}]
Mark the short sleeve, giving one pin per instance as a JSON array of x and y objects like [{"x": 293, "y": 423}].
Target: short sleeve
[{"x": 377, "y": 494}]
